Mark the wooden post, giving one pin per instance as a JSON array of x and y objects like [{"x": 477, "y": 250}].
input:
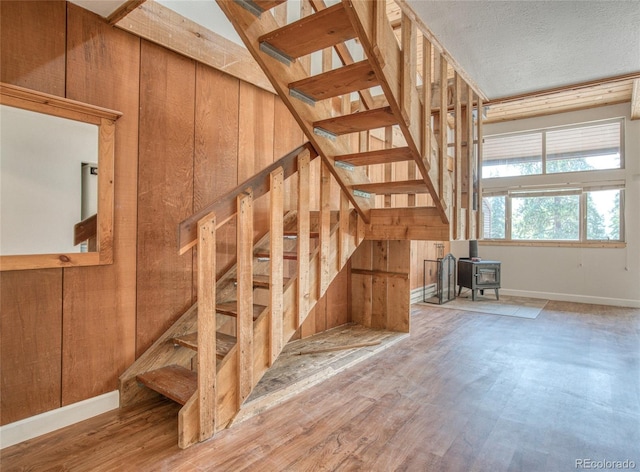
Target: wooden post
[
  {"x": 379, "y": 22},
  {"x": 276, "y": 278},
  {"x": 479, "y": 163},
  {"x": 325, "y": 229},
  {"x": 244, "y": 320},
  {"x": 457, "y": 199},
  {"x": 388, "y": 167},
  {"x": 409, "y": 67},
  {"x": 344, "y": 230},
  {"x": 304, "y": 226},
  {"x": 207, "y": 325},
  {"x": 472, "y": 172},
  {"x": 426, "y": 98},
  {"x": 442, "y": 138}
]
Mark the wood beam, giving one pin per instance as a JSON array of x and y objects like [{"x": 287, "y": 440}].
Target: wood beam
[
  {"x": 167, "y": 28},
  {"x": 635, "y": 100},
  {"x": 123, "y": 10}
]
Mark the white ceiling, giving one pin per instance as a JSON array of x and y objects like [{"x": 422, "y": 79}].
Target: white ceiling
[
  {"x": 514, "y": 47},
  {"x": 507, "y": 47}
]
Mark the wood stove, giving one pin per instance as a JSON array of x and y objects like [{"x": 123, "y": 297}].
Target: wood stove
[{"x": 478, "y": 275}]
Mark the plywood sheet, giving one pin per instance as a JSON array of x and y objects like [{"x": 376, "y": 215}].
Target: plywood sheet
[{"x": 31, "y": 342}]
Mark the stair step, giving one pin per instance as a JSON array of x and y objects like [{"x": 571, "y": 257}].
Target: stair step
[
  {"x": 356, "y": 122},
  {"x": 382, "y": 156},
  {"x": 231, "y": 309},
  {"x": 262, "y": 281},
  {"x": 291, "y": 234},
  {"x": 224, "y": 343},
  {"x": 311, "y": 33},
  {"x": 265, "y": 5},
  {"x": 390, "y": 188},
  {"x": 347, "y": 79},
  {"x": 174, "y": 382},
  {"x": 289, "y": 256}
]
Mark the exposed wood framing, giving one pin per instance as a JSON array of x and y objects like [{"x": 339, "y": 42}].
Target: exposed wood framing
[
  {"x": 276, "y": 277},
  {"x": 207, "y": 325},
  {"x": 245, "y": 295},
  {"x": 303, "y": 237}
]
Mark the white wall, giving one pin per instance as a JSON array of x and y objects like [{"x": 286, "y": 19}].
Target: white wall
[
  {"x": 609, "y": 276},
  {"x": 40, "y": 180}
]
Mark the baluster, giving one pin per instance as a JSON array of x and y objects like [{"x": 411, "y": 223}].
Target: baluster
[
  {"x": 276, "y": 231},
  {"x": 244, "y": 328},
  {"x": 207, "y": 325},
  {"x": 325, "y": 226},
  {"x": 303, "y": 236}
]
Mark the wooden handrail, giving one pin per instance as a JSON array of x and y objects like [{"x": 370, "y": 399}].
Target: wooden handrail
[
  {"x": 225, "y": 206},
  {"x": 86, "y": 229}
]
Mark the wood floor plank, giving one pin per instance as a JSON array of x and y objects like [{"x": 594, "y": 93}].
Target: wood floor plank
[{"x": 466, "y": 391}]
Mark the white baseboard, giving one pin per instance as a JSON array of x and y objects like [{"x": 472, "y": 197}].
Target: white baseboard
[
  {"x": 46, "y": 422},
  {"x": 567, "y": 297},
  {"x": 417, "y": 294}
]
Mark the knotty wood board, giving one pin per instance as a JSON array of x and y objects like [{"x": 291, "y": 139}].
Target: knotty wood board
[
  {"x": 32, "y": 35},
  {"x": 361, "y": 295},
  {"x": 379, "y": 285},
  {"x": 165, "y": 192},
  {"x": 31, "y": 323},
  {"x": 106, "y": 77},
  {"x": 398, "y": 292},
  {"x": 215, "y": 166}
]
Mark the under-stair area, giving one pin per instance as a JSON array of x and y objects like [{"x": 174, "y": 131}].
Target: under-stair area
[{"x": 398, "y": 156}]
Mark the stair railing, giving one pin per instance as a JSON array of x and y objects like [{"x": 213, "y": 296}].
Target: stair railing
[{"x": 223, "y": 387}]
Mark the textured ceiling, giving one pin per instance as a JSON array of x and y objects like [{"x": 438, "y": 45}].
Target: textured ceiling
[{"x": 514, "y": 47}]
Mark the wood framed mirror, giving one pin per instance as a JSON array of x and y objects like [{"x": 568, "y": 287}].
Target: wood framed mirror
[{"x": 48, "y": 145}]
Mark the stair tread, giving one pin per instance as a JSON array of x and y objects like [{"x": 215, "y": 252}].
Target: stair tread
[
  {"x": 312, "y": 234},
  {"x": 389, "y": 188},
  {"x": 347, "y": 79},
  {"x": 262, "y": 281},
  {"x": 312, "y": 33},
  {"x": 360, "y": 121},
  {"x": 231, "y": 309},
  {"x": 382, "y": 156},
  {"x": 173, "y": 381},
  {"x": 224, "y": 343},
  {"x": 287, "y": 255}
]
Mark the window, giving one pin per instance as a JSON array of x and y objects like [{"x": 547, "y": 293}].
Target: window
[
  {"x": 594, "y": 146},
  {"x": 529, "y": 198}
]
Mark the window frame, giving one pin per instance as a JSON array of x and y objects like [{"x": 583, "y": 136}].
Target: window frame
[{"x": 582, "y": 182}]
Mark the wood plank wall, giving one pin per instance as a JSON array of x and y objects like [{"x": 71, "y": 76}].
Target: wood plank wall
[{"x": 187, "y": 135}]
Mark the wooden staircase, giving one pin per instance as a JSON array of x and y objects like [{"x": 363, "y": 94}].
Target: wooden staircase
[{"x": 214, "y": 355}]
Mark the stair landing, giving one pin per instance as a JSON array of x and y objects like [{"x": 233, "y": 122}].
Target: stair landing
[{"x": 293, "y": 373}]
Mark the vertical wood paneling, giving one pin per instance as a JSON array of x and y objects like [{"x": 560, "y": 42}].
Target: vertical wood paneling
[
  {"x": 32, "y": 35},
  {"x": 99, "y": 329},
  {"x": 32, "y": 55},
  {"x": 379, "y": 259},
  {"x": 361, "y": 295},
  {"x": 165, "y": 191},
  {"x": 398, "y": 292},
  {"x": 255, "y": 145},
  {"x": 338, "y": 304},
  {"x": 216, "y": 150},
  {"x": 31, "y": 322}
]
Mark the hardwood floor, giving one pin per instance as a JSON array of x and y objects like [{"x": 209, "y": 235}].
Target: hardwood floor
[{"x": 466, "y": 392}]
